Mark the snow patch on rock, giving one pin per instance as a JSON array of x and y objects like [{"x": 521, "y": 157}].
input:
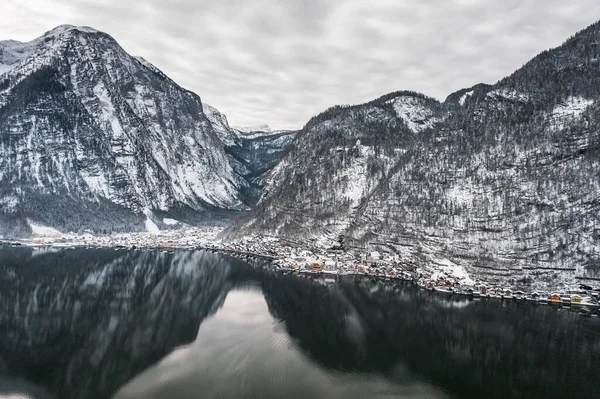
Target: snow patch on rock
[
  {"x": 170, "y": 222},
  {"x": 414, "y": 113},
  {"x": 447, "y": 268},
  {"x": 356, "y": 175},
  {"x": 568, "y": 111},
  {"x": 41, "y": 230},
  {"x": 151, "y": 227},
  {"x": 462, "y": 195},
  {"x": 463, "y": 98}
]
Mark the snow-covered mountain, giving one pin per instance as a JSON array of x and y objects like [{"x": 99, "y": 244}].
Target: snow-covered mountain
[
  {"x": 253, "y": 130},
  {"x": 336, "y": 160},
  {"x": 91, "y": 137},
  {"x": 502, "y": 179}
]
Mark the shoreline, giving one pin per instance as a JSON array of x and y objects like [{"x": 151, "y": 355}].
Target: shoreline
[
  {"x": 442, "y": 276},
  {"x": 277, "y": 263}
]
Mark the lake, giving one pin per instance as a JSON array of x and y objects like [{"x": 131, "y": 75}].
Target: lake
[{"x": 130, "y": 324}]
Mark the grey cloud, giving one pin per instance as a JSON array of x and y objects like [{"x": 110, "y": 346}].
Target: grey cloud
[{"x": 282, "y": 61}]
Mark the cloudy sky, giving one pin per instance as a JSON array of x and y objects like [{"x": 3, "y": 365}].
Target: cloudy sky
[{"x": 282, "y": 61}]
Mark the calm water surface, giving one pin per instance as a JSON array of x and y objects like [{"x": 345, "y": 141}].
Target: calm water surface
[{"x": 191, "y": 324}]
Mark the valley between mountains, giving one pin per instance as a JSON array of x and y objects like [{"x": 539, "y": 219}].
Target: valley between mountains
[{"x": 500, "y": 181}]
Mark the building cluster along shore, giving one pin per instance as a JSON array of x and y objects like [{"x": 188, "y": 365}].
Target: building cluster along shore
[{"x": 444, "y": 278}]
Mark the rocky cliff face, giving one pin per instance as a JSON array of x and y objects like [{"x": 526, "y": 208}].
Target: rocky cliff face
[
  {"x": 90, "y": 136},
  {"x": 501, "y": 179}
]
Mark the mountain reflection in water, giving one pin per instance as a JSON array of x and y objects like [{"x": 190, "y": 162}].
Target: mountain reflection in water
[
  {"x": 192, "y": 324},
  {"x": 244, "y": 352}
]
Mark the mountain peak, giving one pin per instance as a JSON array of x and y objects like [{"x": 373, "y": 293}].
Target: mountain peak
[
  {"x": 65, "y": 29},
  {"x": 13, "y": 52},
  {"x": 253, "y": 129}
]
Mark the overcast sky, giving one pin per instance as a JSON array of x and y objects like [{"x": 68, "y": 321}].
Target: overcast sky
[{"x": 282, "y": 61}]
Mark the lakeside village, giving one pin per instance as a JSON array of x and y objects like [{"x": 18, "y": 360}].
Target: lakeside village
[{"x": 444, "y": 278}]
